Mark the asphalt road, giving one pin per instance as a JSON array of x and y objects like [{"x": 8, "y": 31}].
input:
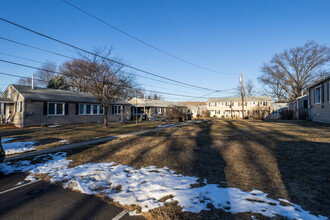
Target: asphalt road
[{"x": 42, "y": 200}]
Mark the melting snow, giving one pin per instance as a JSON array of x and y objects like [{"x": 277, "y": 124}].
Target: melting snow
[
  {"x": 165, "y": 126},
  {"x": 146, "y": 186},
  {"x": 17, "y": 147}
]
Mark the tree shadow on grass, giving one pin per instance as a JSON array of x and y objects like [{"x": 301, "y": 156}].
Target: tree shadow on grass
[{"x": 276, "y": 163}]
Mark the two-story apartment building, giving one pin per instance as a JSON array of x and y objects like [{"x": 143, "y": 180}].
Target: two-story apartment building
[
  {"x": 232, "y": 107},
  {"x": 319, "y": 101}
]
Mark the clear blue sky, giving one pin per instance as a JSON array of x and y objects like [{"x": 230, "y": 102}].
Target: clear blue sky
[{"x": 227, "y": 36}]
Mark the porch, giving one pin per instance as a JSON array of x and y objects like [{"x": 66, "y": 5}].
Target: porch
[{"x": 6, "y": 110}]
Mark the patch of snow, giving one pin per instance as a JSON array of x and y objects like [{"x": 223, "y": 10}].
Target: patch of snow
[
  {"x": 63, "y": 141},
  {"x": 17, "y": 147},
  {"x": 54, "y": 126},
  {"x": 146, "y": 186},
  {"x": 30, "y": 165},
  {"x": 165, "y": 126},
  {"x": 133, "y": 213}
]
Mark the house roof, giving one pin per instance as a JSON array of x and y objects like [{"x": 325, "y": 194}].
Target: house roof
[
  {"x": 279, "y": 105},
  {"x": 319, "y": 82},
  {"x": 56, "y": 95},
  {"x": 239, "y": 99},
  {"x": 193, "y": 103},
  {"x": 6, "y": 100},
  {"x": 154, "y": 103}
]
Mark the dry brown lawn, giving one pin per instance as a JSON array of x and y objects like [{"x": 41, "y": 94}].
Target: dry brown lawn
[
  {"x": 47, "y": 137},
  {"x": 286, "y": 159}
]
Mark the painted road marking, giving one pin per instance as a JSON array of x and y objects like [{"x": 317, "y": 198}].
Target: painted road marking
[
  {"x": 120, "y": 215},
  {"x": 17, "y": 187}
]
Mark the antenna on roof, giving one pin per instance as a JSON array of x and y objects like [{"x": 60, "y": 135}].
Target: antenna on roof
[{"x": 32, "y": 82}]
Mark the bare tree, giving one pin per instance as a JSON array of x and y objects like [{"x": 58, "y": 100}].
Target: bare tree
[
  {"x": 274, "y": 89},
  {"x": 46, "y": 74},
  {"x": 25, "y": 81},
  {"x": 249, "y": 89},
  {"x": 296, "y": 68},
  {"x": 175, "y": 112},
  {"x": 101, "y": 77},
  {"x": 74, "y": 72}
]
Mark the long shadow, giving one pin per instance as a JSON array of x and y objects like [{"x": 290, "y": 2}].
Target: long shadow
[
  {"x": 279, "y": 164},
  {"x": 207, "y": 161}
]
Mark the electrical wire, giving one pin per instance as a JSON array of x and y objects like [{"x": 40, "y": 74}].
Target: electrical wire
[
  {"x": 94, "y": 54},
  {"x": 141, "y": 41},
  {"x": 147, "y": 90},
  {"x": 62, "y": 55}
]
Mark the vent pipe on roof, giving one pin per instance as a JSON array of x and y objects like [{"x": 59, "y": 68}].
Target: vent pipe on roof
[{"x": 32, "y": 82}]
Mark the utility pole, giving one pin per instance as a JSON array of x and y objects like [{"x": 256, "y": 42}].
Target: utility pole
[{"x": 242, "y": 94}]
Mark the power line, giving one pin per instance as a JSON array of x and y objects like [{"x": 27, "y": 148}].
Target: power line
[
  {"x": 9, "y": 55},
  {"x": 94, "y": 54},
  {"x": 153, "y": 91},
  {"x": 27, "y": 66},
  {"x": 62, "y": 55},
  {"x": 37, "y": 48},
  {"x": 141, "y": 41}
]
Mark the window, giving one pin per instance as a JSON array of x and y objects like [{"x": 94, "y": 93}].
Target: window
[
  {"x": 317, "y": 95},
  {"x": 18, "y": 106},
  {"x": 55, "y": 108},
  {"x": 116, "y": 109},
  {"x": 264, "y": 103},
  {"x": 305, "y": 103},
  {"x": 2, "y": 108},
  {"x": 10, "y": 96},
  {"x": 212, "y": 104},
  {"x": 95, "y": 111},
  {"x": 81, "y": 109},
  {"x": 88, "y": 109}
]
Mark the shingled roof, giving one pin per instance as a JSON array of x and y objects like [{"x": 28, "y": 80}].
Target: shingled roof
[
  {"x": 239, "y": 99},
  {"x": 154, "y": 103},
  {"x": 57, "y": 95}
]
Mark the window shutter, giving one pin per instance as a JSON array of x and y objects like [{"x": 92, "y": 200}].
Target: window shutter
[
  {"x": 77, "y": 109},
  {"x": 66, "y": 106},
  {"x": 322, "y": 93},
  {"x": 314, "y": 97},
  {"x": 45, "y": 108},
  {"x": 112, "y": 109},
  {"x": 328, "y": 91}
]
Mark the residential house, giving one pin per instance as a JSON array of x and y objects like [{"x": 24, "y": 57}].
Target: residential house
[
  {"x": 232, "y": 107},
  {"x": 276, "y": 109},
  {"x": 152, "y": 108},
  {"x": 299, "y": 107},
  {"x": 319, "y": 101},
  {"x": 26, "y": 106},
  {"x": 195, "y": 108}
]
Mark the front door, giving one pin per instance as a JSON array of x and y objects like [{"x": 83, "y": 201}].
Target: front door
[{"x": 8, "y": 112}]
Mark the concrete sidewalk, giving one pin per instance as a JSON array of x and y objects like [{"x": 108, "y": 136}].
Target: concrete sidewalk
[{"x": 85, "y": 143}]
